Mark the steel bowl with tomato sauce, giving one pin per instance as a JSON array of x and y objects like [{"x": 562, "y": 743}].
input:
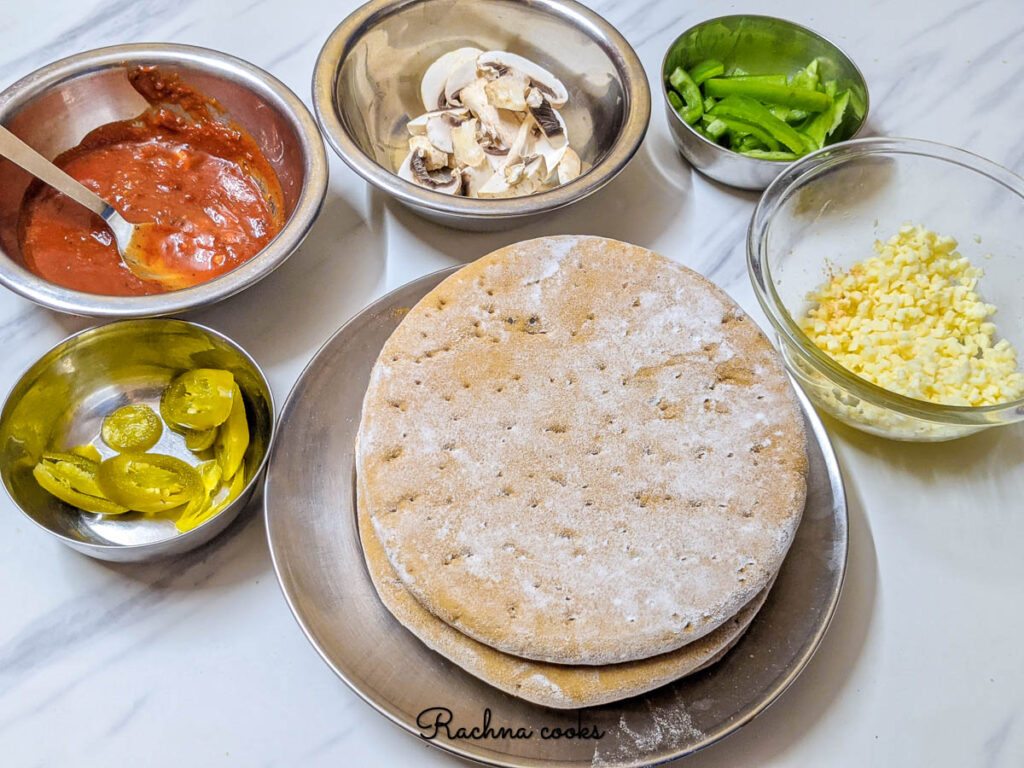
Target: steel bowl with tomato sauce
[{"x": 56, "y": 107}]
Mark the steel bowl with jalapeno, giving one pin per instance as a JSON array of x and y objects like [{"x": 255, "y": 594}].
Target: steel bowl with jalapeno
[{"x": 137, "y": 439}]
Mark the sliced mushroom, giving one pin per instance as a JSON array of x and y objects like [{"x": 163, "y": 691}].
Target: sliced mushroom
[
  {"x": 474, "y": 177},
  {"x": 414, "y": 169},
  {"x": 550, "y": 148},
  {"x": 549, "y": 121},
  {"x": 498, "y": 184},
  {"x": 514, "y": 173},
  {"x": 569, "y": 167},
  {"x": 418, "y": 125},
  {"x": 434, "y": 79},
  {"x": 508, "y": 91},
  {"x": 461, "y": 76},
  {"x": 493, "y": 129},
  {"x": 547, "y": 83},
  {"x": 519, "y": 147},
  {"x": 525, "y": 168},
  {"x": 433, "y": 158},
  {"x": 466, "y": 148},
  {"x": 439, "y": 133},
  {"x": 437, "y": 126},
  {"x": 498, "y": 124},
  {"x": 522, "y": 177}
]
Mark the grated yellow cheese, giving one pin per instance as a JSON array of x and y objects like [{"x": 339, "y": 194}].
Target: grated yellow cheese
[{"x": 910, "y": 320}]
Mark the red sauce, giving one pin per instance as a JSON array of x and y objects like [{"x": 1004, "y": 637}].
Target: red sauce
[{"x": 213, "y": 199}]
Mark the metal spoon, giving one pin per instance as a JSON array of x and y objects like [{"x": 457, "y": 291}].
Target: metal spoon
[{"x": 21, "y": 154}]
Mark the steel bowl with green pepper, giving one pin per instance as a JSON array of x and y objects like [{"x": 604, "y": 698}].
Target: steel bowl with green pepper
[{"x": 746, "y": 95}]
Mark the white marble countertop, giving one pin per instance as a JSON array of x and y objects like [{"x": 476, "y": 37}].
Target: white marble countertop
[{"x": 199, "y": 662}]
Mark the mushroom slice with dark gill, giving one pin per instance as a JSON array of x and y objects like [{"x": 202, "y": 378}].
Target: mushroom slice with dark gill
[
  {"x": 546, "y": 118},
  {"x": 414, "y": 169}
]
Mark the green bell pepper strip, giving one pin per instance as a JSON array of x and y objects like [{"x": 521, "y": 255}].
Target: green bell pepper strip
[
  {"x": 739, "y": 128},
  {"x": 788, "y": 114},
  {"x": 713, "y": 127},
  {"x": 763, "y": 154},
  {"x": 857, "y": 105},
  {"x": 675, "y": 101},
  {"x": 825, "y": 123},
  {"x": 707, "y": 69},
  {"x": 749, "y": 111},
  {"x": 786, "y": 95},
  {"x": 690, "y": 93},
  {"x": 807, "y": 77},
  {"x": 770, "y": 79},
  {"x": 749, "y": 142}
]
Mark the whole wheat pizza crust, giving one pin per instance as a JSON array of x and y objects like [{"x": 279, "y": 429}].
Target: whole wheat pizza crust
[
  {"x": 550, "y": 685},
  {"x": 576, "y": 451}
]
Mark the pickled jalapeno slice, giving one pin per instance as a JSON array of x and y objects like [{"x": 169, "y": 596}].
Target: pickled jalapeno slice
[
  {"x": 210, "y": 472},
  {"x": 200, "y": 439},
  {"x": 192, "y": 518},
  {"x": 198, "y": 399},
  {"x": 76, "y": 471},
  {"x": 149, "y": 482},
  {"x": 73, "y": 480},
  {"x": 87, "y": 451},
  {"x": 132, "y": 428},
  {"x": 233, "y": 438}
]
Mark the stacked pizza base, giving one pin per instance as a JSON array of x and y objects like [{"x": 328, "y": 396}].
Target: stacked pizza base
[{"x": 579, "y": 468}]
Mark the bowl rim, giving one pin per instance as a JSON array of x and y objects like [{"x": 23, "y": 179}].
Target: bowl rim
[
  {"x": 637, "y": 112},
  {"x": 718, "y": 148},
  {"x": 307, "y": 206},
  {"x": 786, "y": 327},
  {"x": 92, "y": 546}
]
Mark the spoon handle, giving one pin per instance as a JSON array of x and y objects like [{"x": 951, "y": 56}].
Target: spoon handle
[{"x": 21, "y": 154}]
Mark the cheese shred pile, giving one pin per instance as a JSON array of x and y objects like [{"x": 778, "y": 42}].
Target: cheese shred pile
[{"x": 910, "y": 320}]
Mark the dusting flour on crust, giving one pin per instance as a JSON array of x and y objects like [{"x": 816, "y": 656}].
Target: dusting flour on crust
[
  {"x": 576, "y": 451},
  {"x": 550, "y": 685}
]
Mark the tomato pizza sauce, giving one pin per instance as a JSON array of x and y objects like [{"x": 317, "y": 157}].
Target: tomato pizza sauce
[{"x": 213, "y": 199}]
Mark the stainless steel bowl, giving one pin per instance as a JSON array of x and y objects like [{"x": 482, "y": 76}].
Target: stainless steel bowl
[
  {"x": 54, "y": 107},
  {"x": 366, "y": 88},
  {"x": 760, "y": 45},
  {"x": 61, "y": 400}
]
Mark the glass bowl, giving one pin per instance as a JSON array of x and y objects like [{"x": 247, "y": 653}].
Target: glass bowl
[{"x": 825, "y": 212}]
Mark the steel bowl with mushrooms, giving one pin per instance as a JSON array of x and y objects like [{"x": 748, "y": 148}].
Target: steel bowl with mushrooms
[
  {"x": 492, "y": 128},
  {"x": 368, "y": 91}
]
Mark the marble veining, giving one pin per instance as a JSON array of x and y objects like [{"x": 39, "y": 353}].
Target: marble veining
[{"x": 197, "y": 661}]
